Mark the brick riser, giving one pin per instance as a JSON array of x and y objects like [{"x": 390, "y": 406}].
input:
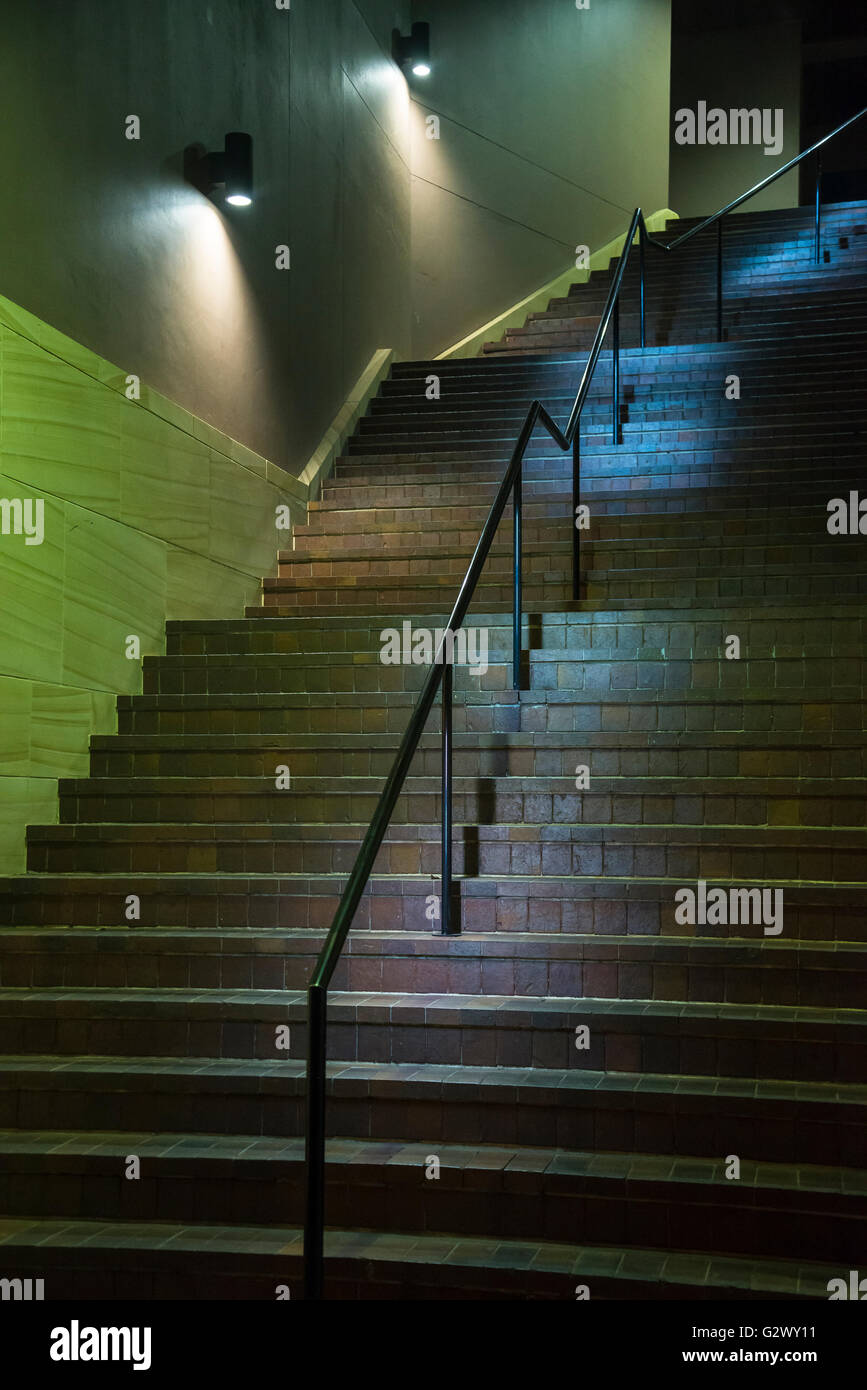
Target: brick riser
[
  {"x": 568, "y": 1200},
  {"x": 709, "y": 518}
]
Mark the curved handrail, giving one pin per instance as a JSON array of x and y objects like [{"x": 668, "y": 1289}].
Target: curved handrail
[{"x": 317, "y": 992}]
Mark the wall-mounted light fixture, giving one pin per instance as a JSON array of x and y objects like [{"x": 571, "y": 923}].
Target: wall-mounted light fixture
[
  {"x": 226, "y": 173},
  {"x": 413, "y": 52}
]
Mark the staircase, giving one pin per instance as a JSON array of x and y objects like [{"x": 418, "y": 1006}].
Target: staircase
[{"x": 606, "y": 1167}]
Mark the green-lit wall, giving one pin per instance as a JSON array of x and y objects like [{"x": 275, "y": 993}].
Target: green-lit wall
[{"x": 149, "y": 514}]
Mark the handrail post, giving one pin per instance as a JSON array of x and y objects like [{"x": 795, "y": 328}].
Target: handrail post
[
  {"x": 641, "y": 316},
  {"x": 446, "y": 905},
  {"x": 818, "y": 200},
  {"x": 615, "y": 372},
  {"x": 314, "y": 1226},
  {"x": 516, "y": 598},
  {"x": 576, "y": 502},
  {"x": 719, "y": 280}
]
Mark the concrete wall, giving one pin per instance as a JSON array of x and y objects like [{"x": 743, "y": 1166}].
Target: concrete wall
[
  {"x": 349, "y": 204},
  {"x": 553, "y": 125},
  {"x": 100, "y": 236},
  {"x": 149, "y": 514},
  {"x": 757, "y": 65}
]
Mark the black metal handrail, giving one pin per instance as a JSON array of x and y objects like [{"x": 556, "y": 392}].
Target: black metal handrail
[{"x": 441, "y": 671}]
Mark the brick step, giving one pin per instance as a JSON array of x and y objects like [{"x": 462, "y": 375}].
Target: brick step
[
  {"x": 549, "y": 477},
  {"x": 675, "y": 511},
  {"x": 571, "y": 637},
  {"x": 784, "y": 360},
  {"x": 773, "y": 768},
  {"x": 808, "y": 712},
  {"x": 668, "y": 515},
  {"x": 779, "y": 1121},
  {"x": 739, "y": 419},
  {"x": 835, "y": 409},
  {"x": 732, "y": 440},
  {"x": 786, "y": 363},
  {"x": 635, "y": 435},
  {"x": 561, "y": 636},
  {"x": 452, "y": 448},
  {"x": 748, "y": 251},
  {"x": 743, "y": 245},
  {"x": 781, "y": 286},
  {"x": 813, "y": 348},
  {"x": 725, "y": 556},
  {"x": 547, "y": 668},
  {"x": 782, "y": 1041},
  {"x": 744, "y": 316},
  {"x": 760, "y": 331},
  {"x": 689, "y": 290},
  {"x": 589, "y": 905},
  {"x": 134, "y": 1262},
  {"x": 788, "y": 629},
  {"x": 495, "y": 1191},
  {"x": 785, "y": 384},
  {"x": 145, "y": 831},
  {"x": 778, "y": 376},
  {"x": 549, "y": 484},
  {"x": 732, "y": 970},
  {"x": 578, "y": 345},
  {"x": 786, "y": 387},
  {"x": 678, "y": 531},
  {"x": 546, "y": 798},
  {"x": 780, "y": 385},
  {"x": 293, "y": 673},
  {"x": 653, "y": 586},
  {"x": 657, "y": 511},
  {"x": 753, "y": 249},
  {"x": 757, "y": 241},
  {"x": 756, "y": 321}
]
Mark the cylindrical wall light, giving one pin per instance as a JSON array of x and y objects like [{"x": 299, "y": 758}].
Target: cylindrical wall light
[
  {"x": 227, "y": 173},
  {"x": 238, "y": 169},
  {"x": 414, "y": 51}
]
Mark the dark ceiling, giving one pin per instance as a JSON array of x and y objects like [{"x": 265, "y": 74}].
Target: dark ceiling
[{"x": 822, "y": 19}]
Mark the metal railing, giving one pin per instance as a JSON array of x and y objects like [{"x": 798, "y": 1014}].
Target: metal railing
[{"x": 441, "y": 671}]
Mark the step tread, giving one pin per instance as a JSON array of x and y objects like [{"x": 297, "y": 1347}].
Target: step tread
[
  {"x": 79, "y": 1151},
  {"x": 166, "y": 1243},
  {"x": 414, "y": 1078},
  {"x": 448, "y": 1009}
]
